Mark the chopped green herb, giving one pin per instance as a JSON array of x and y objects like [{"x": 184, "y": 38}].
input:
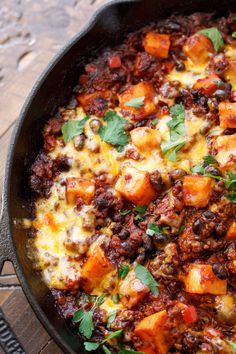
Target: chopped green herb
[
  {"x": 115, "y": 299},
  {"x": 232, "y": 344},
  {"x": 78, "y": 315},
  {"x": 218, "y": 83},
  {"x": 123, "y": 271},
  {"x": 136, "y": 102},
  {"x": 100, "y": 300},
  {"x": 182, "y": 228},
  {"x": 111, "y": 317},
  {"x": 113, "y": 132},
  {"x": 73, "y": 128},
  {"x": 234, "y": 34},
  {"x": 231, "y": 196},
  {"x": 198, "y": 169},
  {"x": 90, "y": 346},
  {"x": 140, "y": 210},
  {"x": 124, "y": 212},
  {"x": 155, "y": 121},
  {"x": 106, "y": 350},
  {"x": 128, "y": 351},
  {"x": 85, "y": 297},
  {"x": 153, "y": 229},
  {"x": 86, "y": 326},
  {"x": 218, "y": 178},
  {"x": 209, "y": 160},
  {"x": 170, "y": 148},
  {"x": 146, "y": 278},
  {"x": 231, "y": 181},
  {"x": 114, "y": 335},
  {"x": 215, "y": 36},
  {"x": 176, "y": 124}
]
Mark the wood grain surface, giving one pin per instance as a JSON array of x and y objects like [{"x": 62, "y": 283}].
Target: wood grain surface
[{"x": 31, "y": 32}]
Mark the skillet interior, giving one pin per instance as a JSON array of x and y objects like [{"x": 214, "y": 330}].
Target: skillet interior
[{"x": 52, "y": 90}]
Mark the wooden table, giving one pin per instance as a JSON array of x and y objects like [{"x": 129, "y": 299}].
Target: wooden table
[{"x": 31, "y": 32}]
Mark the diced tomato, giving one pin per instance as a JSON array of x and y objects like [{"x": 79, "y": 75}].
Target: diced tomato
[
  {"x": 189, "y": 314},
  {"x": 90, "y": 68},
  {"x": 114, "y": 62}
]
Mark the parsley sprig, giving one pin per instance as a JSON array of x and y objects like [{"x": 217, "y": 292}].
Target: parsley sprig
[
  {"x": 123, "y": 271},
  {"x": 113, "y": 132},
  {"x": 177, "y": 132},
  {"x": 91, "y": 346}
]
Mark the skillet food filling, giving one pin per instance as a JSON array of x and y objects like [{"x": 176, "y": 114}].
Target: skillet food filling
[{"x": 135, "y": 193}]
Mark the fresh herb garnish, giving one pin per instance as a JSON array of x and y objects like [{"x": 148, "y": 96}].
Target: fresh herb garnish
[
  {"x": 111, "y": 317},
  {"x": 155, "y": 121},
  {"x": 177, "y": 131},
  {"x": 146, "y": 278},
  {"x": 115, "y": 298},
  {"x": 123, "y": 271},
  {"x": 128, "y": 351},
  {"x": 198, "y": 169},
  {"x": 139, "y": 210},
  {"x": 215, "y": 36},
  {"x": 232, "y": 344},
  {"x": 231, "y": 196},
  {"x": 230, "y": 182},
  {"x": 90, "y": 346},
  {"x": 73, "y": 128},
  {"x": 136, "y": 102},
  {"x": 218, "y": 83},
  {"x": 113, "y": 132},
  {"x": 106, "y": 350},
  {"x": 234, "y": 34},
  {"x": 124, "y": 212},
  {"x": 153, "y": 229},
  {"x": 209, "y": 160},
  {"x": 170, "y": 148}
]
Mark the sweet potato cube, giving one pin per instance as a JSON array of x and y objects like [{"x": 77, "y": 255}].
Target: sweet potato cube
[
  {"x": 135, "y": 186},
  {"x": 90, "y": 100},
  {"x": 132, "y": 289},
  {"x": 95, "y": 268},
  {"x": 197, "y": 191},
  {"x": 147, "y": 350},
  {"x": 226, "y": 150},
  {"x": 227, "y": 113},
  {"x": 143, "y": 90},
  {"x": 79, "y": 188},
  {"x": 231, "y": 233},
  {"x": 202, "y": 280},
  {"x": 157, "y": 44},
  {"x": 197, "y": 48},
  {"x": 145, "y": 138},
  {"x": 208, "y": 84},
  {"x": 151, "y": 331}
]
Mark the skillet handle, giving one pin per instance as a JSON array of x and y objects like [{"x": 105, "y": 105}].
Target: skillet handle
[{"x": 6, "y": 252}]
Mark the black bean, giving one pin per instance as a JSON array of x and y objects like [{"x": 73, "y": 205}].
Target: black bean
[
  {"x": 128, "y": 127},
  {"x": 156, "y": 181},
  {"x": 197, "y": 226},
  {"x": 159, "y": 238},
  {"x": 180, "y": 66},
  {"x": 124, "y": 234},
  {"x": 213, "y": 171},
  {"x": 95, "y": 124},
  {"x": 142, "y": 123},
  {"x": 209, "y": 215},
  {"x": 221, "y": 94},
  {"x": 177, "y": 174},
  {"x": 220, "y": 230},
  {"x": 116, "y": 227},
  {"x": 219, "y": 270}
]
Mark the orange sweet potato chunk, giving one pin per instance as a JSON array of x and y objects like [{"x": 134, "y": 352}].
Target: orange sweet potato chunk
[
  {"x": 88, "y": 100},
  {"x": 79, "y": 187},
  {"x": 197, "y": 48},
  {"x": 95, "y": 268},
  {"x": 145, "y": 138},
  {"x": 231, "y": 233},
  {"x": 143, "y": 89},
  {"x": 197, "y": 191},
  {"x": 202, "y": 280},
  {"x": 135, "y": 186},
  {"x": 208, "y": 84},
  {"x": 157, "y": 44},
  {"x": 230, "y": 73},
  {"x": 132, "y": 289},
  {"x": 151, "y": 331},
  {"x": 227, "y": 113},
  {"x": 226, "y": 150}
]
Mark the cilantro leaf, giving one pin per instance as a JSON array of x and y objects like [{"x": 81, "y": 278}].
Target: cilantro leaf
[
  {"x": 231, "y": 196},
  {"x": 209, "y": 160},
  {"x": 100, "y": 300},
  {"x": 136, "y": 102},
  {"x": 90, "y": 346},
  {"x": 111, "y": 317},
  {"x": 140, "y": 210},
  {"x": 124, "y": 212},
  {"x": 218, "y": 83},
  {"x": 176, "y": 125},
  {"x": 113, "y": 132},
  {"x": 234, "y": 34},
  {"x": 78, "y": 315},
  {"x": 155, "y": 121},
  {"x": 114, "y": 335},
  {"x": 73, "y": 128},
  {"x": 106, "y": 350},
  {"x": 198, "y": 169},
  {"x": 146, "y": 278},
  {"x": 153, "y": 229},
  {"x": 215, "y": 36},
  {"x": 123, "y": 271},
  {"x": 115, "y": 299},
  {"x": 128, "y": 351},
  {"x": 232, "y": 344},
  {"x": 86, "y": 326},
  {"x": 170, "y": 148},
  {"x": 231, "y": 181}
]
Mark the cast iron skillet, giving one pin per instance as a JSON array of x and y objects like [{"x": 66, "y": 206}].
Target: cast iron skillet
[{"x": 107, "y": 27}]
